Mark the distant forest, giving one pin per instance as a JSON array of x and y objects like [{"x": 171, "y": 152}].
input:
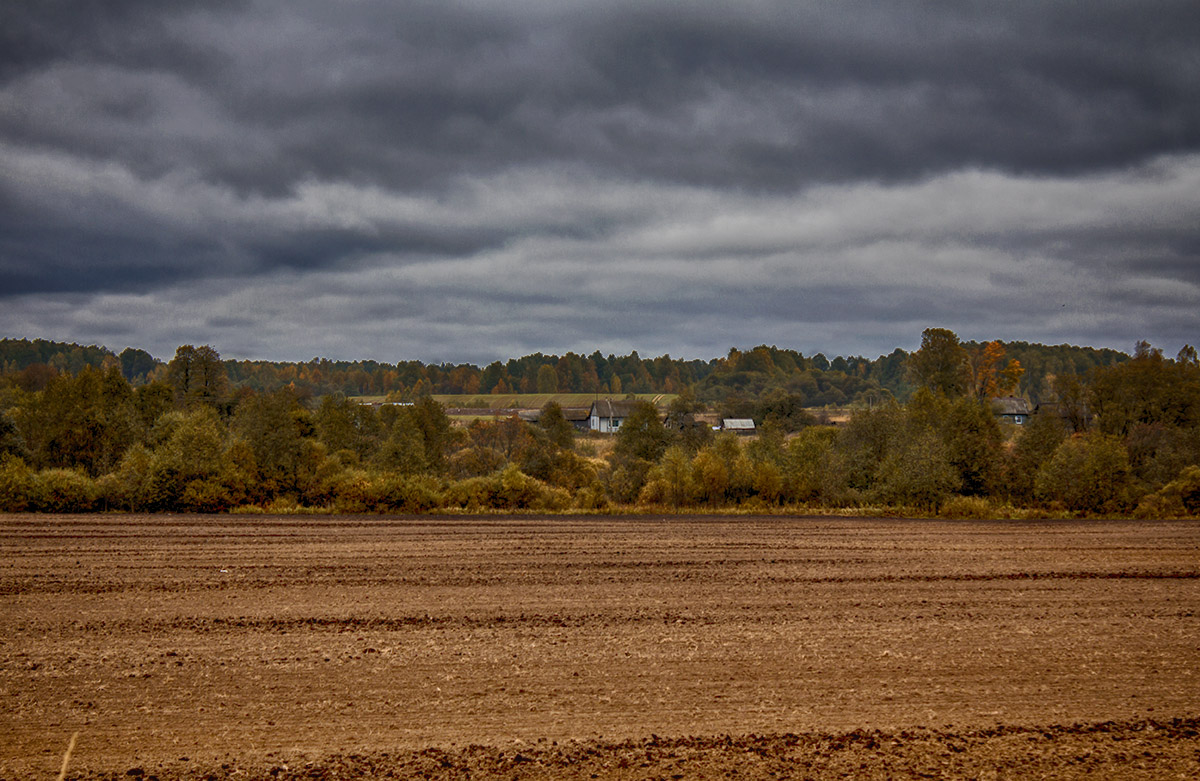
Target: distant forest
[
  {"x": 83, "y": 429},
  {"x": 740, "y": 376}
]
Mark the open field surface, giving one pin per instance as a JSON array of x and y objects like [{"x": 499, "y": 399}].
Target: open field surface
[{"x": 277, "y": 647}]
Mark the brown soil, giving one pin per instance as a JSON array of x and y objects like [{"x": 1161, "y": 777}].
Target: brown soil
[{"x": 268, "y": 647}]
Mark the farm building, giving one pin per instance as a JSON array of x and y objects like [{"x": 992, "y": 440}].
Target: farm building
[
  {"x": 738, "y": 425},
  {"x": 688, "y": 421},
  {"x": 578, "y": 417},
  {"x": 1012, "y": 409},
  {"x": 606, "y": 415}
]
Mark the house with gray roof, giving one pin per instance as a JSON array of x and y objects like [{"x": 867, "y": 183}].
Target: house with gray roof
[
  {"x": 1012, "y": 409},
  {"x": 606, "y": 415}
]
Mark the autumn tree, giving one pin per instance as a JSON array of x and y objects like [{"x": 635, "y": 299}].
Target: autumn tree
[
  {"x": 670, "y": 481},
  {"x": 991, "y": 375}
]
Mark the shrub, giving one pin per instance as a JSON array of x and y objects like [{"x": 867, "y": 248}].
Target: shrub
[
  {"x": 1158, "y": 505},
  {"x": 398, "y": 493},
  {"x": 352, "y": 492},
  {"x": 591, "y": 497},
  {"x": 1179, "y": 497},
  {"x": 1187, "y": 488},
  {"x": 1088, "y": 473},
  {"x": 63, "y": 491},
  {"x": 972, "y": 507},
  {"x": 508, "y": 490},
  {"x": 205, "y": 496},
  {"x": 16, "y": 485},
  {"x": 475, "y": 462}
]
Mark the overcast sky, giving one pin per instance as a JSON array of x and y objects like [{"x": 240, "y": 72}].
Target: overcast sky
[{"x": 471, "y": 180}]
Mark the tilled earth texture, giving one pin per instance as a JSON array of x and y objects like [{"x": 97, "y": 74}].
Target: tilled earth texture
[{"x": 259, "y": 647}]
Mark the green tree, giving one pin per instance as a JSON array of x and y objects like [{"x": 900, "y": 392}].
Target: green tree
[
  {"x": 557, "y": 427},
  {"x": 807, "y": 476},
  {"x": 918, "y": 473},
  {"x": 11, "y": 441},
  {"x": 1088, "y": 473},
  {"x": 1070, "y": 401},
  {"x": 547, "y": 379},
  {"x": 84, "y": 421},
  {"x": 642, "y": 434},
  {"x": 424, "y": 424},
  {"x": 1146, "y": 390},
  {"x": 710, "y": 476},
  {"x": 273, "y": 425},
  {"x": 974, "y": 446},
  {"x": 188, "y": 467},
  {"x": 151, "y": 401},
  {"x": 671, "y": 478},
  {"x": 941, "y": 364},
  {"x": 344, "y": 425},
  {"x": 404, "y": 451},
  {"x": 1037, "y": 442},
  {"x": 136, "y": 364},
  {"x": 860, "y": 448},
  {"x": 197, "y": 375}
]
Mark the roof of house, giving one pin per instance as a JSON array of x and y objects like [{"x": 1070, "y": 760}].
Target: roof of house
[
  {"x": 1011, "y": 405},
  {"x": 570, "y": 414},
  {"x": 737, "y": 424},
  {"x": 607, "y": 408}
]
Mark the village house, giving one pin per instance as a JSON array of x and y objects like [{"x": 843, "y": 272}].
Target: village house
[
  {"x": 606, "y": 415},
  {"x": 1012, "y": 409}
]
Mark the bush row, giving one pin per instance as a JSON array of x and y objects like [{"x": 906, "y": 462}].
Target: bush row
[{"x": 675, "y": 484}]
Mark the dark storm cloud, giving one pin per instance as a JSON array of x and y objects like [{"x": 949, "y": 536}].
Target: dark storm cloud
[
  {"x": 756, "y": 94},
  {"x": 479, "y": 178}
]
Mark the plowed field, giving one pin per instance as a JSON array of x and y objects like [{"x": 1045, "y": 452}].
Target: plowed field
[{"x": 277, "y": 647}]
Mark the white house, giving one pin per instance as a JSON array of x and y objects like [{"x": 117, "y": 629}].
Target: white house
[{"x": 606, "y": 415}]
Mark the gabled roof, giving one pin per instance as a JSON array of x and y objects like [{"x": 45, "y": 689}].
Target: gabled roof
[
  {"x": 607, "y": 408},
  {"x": 737, "y": 424},
  {"x": 1011, "y": 405}
]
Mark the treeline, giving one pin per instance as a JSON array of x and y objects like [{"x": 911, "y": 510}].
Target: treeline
[
  {"x": 1121, "y": 439},
  {"x": 740, "y": 377}
]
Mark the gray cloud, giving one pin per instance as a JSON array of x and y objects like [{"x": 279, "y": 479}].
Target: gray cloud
[{"x": 467, "y": 181}]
